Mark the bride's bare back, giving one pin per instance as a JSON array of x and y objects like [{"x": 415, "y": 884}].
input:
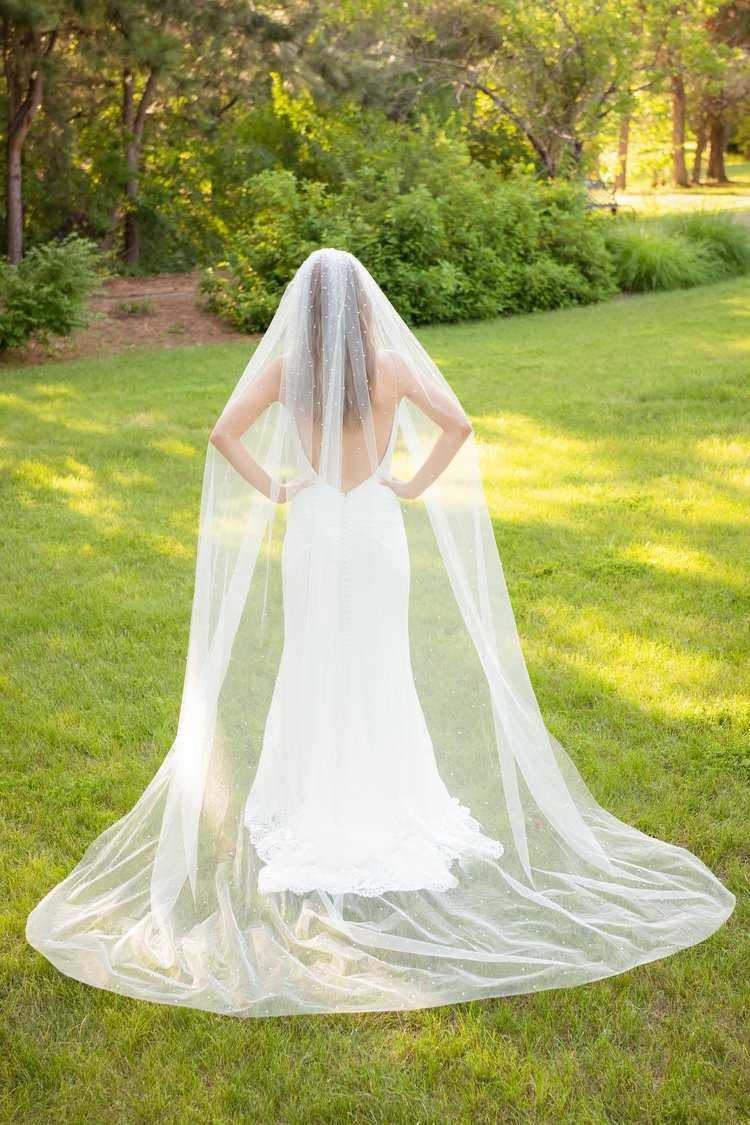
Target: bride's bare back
[{"x": 356, "y": 458}]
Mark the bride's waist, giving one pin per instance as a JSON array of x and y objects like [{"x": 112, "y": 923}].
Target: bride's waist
[
  {"x": 369, "y": 493},
  {"x": 369, "y": 502}
]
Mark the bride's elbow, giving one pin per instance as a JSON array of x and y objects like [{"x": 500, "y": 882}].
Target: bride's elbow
[
  {"x": 218, "y": 436},
  {"x": 462, "y": 427}
]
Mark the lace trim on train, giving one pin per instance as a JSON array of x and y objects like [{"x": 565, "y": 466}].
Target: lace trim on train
[{"x": 413, "y": 860}]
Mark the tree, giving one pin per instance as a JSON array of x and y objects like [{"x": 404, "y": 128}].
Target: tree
[
  {"x": 29, "y": 35},
  {"x": 555, "y": 69},
  {"x": 727, "y": 92},
  {"x": 196, "y": 55},
  {"x": 141, "y": 42},
  {"x": 685, "y": 53},
  {"x": 705, "y": 56}
]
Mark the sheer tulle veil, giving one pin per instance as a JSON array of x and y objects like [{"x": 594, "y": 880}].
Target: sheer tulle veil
[{"x": 293, "y": 694}]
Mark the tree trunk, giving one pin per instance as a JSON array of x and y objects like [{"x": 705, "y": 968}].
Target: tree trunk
[
  {"x": 679, "y": 168},
  {"x": 717, "y": 138},
  {"x": 133, "y": 119},
  {"x": 131, "y": 250},
  {"x": 23, "y": 106},
  {"x": 621, "y": 179},
  {"x": 14, "y": 202},
  {"x": 701, "y": 137},
  {"x": 576, "y": 151}
]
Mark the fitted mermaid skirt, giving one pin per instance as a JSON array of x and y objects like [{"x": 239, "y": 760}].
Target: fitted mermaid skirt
[{"x": 347, "y": 796}]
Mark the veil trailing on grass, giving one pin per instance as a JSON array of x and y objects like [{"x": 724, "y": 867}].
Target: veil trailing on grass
[{"x": 363, "y": 808}]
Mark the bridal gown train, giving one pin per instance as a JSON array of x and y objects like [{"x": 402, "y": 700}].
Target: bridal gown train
[
  {"x": 347, "y": 796},
  {"x": 363, "y": 808}
]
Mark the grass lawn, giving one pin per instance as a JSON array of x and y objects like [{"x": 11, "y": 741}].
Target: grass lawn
[
  {"x": 616, "y": 451},
  {"x": 647, "y": 200}
]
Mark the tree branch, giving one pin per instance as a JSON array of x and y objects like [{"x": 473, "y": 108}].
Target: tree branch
[
  {"x": 146, "y": 99},
  {"x": 20, "y": 123}
]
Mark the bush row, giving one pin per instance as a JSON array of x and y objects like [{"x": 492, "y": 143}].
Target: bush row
[
  {"x": 468, "y": 253},
  {"x": 472, "y": 247},
  {"x": 477, "y": 248}
]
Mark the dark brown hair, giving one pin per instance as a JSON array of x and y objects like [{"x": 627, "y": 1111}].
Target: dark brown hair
[{"x": 363, "y": 345}]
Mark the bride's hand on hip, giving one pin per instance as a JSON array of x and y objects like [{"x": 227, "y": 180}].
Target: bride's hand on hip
[
  {"x": 405, "y": 489},
  {"x": 290, "y": 488}
]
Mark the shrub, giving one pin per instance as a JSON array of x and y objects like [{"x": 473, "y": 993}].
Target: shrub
[
  {"x": 546, "y": 283},
  {"x": 288, "y": 221},
  {"x": 464, "y": 247},
  {"x": 727, "y": 239},
  {"x": 647, "y": 258},
  {"x": 677, "y": 251},
  {"x": 45, "y": 295}
]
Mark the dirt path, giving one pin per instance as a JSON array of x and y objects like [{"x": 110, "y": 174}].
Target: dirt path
[{"x": 135, "y": 312}]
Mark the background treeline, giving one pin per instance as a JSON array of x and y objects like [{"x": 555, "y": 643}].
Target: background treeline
[{"x": 443, "y": 142}]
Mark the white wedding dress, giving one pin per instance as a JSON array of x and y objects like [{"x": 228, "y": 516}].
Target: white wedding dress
[{"x": 347, "y": 796}]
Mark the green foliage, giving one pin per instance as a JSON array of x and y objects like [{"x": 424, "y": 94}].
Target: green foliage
[
  {"x": 46, "y": 294},
  {"x": 677, "y": 252},
  {"x": 466, "y": 246},
  {"x": 336, "y": 92},
  {"x": 288, "y": 221},
  {"x": 449, "y": 240},
  {"x": 648, "y": 259},
  {"x": 727, "y": 239}
]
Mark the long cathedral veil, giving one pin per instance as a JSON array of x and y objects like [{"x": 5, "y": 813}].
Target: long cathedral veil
[{"x": 168, "y": 904}]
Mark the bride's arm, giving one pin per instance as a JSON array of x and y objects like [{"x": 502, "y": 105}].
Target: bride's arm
[
  {"x": 446, "y": 412},
  {"x": 227, "y": 433}
]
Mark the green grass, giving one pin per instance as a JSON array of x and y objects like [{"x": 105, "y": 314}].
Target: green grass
[
  {"x": 615, "y": 446},
  {"x": 641, "y": 197}
]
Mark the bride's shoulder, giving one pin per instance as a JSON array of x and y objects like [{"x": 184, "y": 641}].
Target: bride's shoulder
[
  {"x": 387, "y": 357},
  {"x": 393, "y": 370}
]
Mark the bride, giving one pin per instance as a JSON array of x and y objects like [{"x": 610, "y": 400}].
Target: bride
[{"x": 362, "y": 808}]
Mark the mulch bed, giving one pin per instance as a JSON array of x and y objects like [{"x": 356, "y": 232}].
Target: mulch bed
[{"x": 166, "y": 311}]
